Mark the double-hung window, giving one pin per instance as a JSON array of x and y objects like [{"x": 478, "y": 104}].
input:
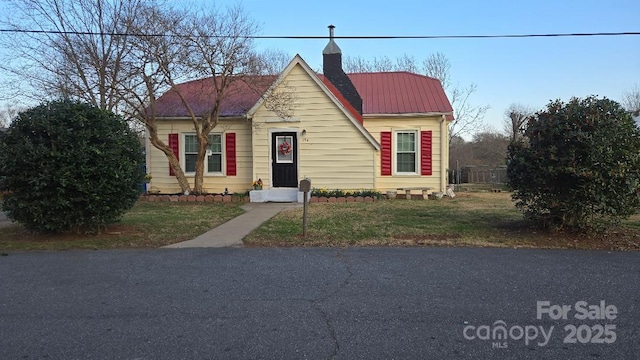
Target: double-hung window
[
  {"x": 214, "y": 155},
  {"x": 213, "y": 161},
  {"x": 190, "y": 153},
  {"x": 406, "y": 152}
]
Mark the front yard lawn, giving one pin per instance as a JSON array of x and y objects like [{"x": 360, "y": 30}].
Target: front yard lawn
[
  {"x": 147, "y": 225},
  {"x": 470, "y": 219}
]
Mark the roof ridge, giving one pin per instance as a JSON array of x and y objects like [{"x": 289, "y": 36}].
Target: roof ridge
[{"x": 393, "y": 72}]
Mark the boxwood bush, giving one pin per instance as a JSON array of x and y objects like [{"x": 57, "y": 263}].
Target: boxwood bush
[{"x": 69, "y": 165}]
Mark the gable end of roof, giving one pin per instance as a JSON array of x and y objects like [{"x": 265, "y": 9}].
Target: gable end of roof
[{"x": 334, "y": 95}]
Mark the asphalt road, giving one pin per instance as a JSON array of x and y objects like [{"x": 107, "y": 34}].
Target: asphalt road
[{"x": 363, "y": 303}]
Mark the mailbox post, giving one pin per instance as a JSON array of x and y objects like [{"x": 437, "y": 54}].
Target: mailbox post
[{"x": 305, "y": 187}]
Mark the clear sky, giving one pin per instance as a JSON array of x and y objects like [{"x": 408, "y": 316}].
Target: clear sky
[{"x": 530, "y": 71}]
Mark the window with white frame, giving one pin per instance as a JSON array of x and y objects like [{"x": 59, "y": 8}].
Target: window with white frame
[
  {"x": 406, "y": 150},
  {"x": 213, "y": 161},
  {"x": 214, "y": 155},
  {"x": 190, "y": 152}
]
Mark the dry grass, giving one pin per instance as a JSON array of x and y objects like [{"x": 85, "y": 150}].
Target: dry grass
[
  {"x": 147, "y": 225},
  {"x": 471, "y": 219}
]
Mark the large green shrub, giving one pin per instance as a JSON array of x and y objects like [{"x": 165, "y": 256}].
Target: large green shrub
[
  {"x": 68, "y": 165},
  {"x": 578, "y": 166}
]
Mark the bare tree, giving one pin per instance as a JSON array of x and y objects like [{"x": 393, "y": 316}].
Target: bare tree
[
  {"x": 76, "y": 54},
  {"x": 459, "y": 152},
  {"x": 215, "y": 47},
  {"x": 469, "y": 118},
  {"x": 383, "y": 63},
  {"x": 272, "y": 61},
  {"x": 631, "y": 100},
  {"x": 357, "y": 64},
  {"x": 407, "y": 63},
  {"x": 122, "y": 55},
  {"x": 490, "y": 148},
  {"x": 86, "y": 50},
  {"x": 487, "y": 147},
  {"x": 515, "y": 121},
  {"x": 438, "y": 66}
]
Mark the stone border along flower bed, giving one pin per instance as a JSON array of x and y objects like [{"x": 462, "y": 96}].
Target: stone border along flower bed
[
  {"x": 317, "y": 196},
  {"x": 196, "y": 198}
]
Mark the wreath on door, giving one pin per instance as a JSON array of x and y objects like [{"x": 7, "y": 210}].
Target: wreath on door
[{"x": 285, "y": 148}]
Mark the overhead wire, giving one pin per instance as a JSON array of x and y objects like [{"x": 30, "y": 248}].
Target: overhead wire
[{"x": 311, "y": 37}]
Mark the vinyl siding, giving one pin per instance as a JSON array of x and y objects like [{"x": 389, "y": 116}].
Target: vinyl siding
[
  {"x": 158, "y": 165},
  {"x": 377, "y": 125},
  {"x": 333, "y": 153}
]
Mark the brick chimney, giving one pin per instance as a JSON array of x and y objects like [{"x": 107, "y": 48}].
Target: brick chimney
[{"x": 332, "y": 69}]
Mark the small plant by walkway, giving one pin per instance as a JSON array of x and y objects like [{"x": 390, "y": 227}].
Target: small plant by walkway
[
  {"x": 147, "y": 225},
  {"x": 471, "y": 219}
]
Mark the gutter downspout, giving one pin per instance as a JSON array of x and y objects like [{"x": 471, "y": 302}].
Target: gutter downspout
[{"x": 444, "y": 153}]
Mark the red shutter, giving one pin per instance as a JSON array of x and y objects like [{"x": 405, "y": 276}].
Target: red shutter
[
  {"x": 385, "y": 153},
  {"x": 425, "y": 155},
  {"x": 173, "y": 144},
  {"x": 230, "y": 142}
]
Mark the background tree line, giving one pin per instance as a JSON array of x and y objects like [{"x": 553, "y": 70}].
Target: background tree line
[{"x": 489, "y": 146}]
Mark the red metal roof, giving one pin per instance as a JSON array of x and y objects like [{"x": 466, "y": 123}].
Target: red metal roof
[
  {"x": 240, "y": 96},
  {"x": 400, "y": 92},
  {"x": 382, "y": 93}
]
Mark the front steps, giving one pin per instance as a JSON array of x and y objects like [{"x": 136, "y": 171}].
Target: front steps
[{"x": 276, "y": 195}]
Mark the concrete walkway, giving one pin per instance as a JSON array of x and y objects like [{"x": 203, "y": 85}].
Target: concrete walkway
[{"x": 233, "y": 231}]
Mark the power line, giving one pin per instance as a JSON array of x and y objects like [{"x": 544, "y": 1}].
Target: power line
[
  {"x": 304, "y": 37},
  {"x": 452, "y": 36}
]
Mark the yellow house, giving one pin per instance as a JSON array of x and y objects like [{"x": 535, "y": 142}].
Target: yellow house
[{"x": 383, "y": 131}]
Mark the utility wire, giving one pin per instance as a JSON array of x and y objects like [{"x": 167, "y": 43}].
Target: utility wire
[
  {"x": 302, "y": 37},
  {"x": 452, "y": 36}
]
